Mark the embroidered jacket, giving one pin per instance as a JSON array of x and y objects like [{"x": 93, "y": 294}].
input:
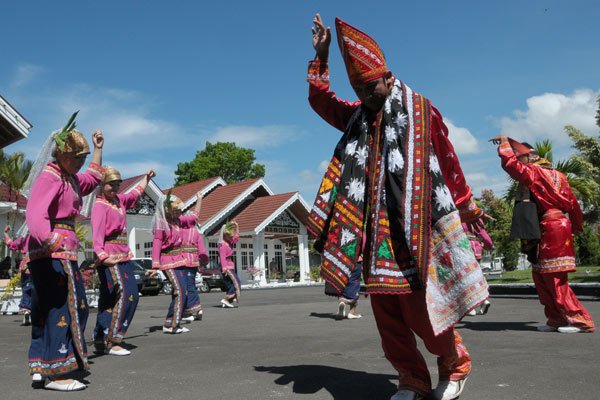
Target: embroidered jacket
[
  {"x": 166, "y": 247},
  {"x": 225, "y": 254},
  {"x": 109, "y": 225},
  {"x": 193, "y": 248},
  {"x": 54, "y": 203}
]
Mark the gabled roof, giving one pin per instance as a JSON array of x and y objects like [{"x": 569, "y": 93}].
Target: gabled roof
[
  {"x": 263, "y": 210},
  {"x": 152, "y": 188},
  {"x": 187, "y": 192},
  {"x": 7, "y": 195},
  {"x": 224, "y": 200},
  {"x": 13, "y": 126},
  {"x": 129, "y": 183}
]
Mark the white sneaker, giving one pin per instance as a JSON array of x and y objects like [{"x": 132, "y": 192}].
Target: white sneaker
[
  {"x": 354, "y": 316},
  {"x": 65, "y": 387},
  {"x": 175, "y": 331},
  {"x": 188, "y": 319},
  {"x": 569, "y": 329},
  {"x": 226, "y": 304},
  {"x": 546, "y": 328},
  {"x": 27, "y": 319},
  {"x": 341, "y": 314},
  {"x": 37, "y": 377},
  {"x": 485, "y": 307},
  {"x": 472, "y": 313},
  {"x": 406, "y": 395},
  {"x": 448, "y": 390},
  {"x": 113, "y": 352}
]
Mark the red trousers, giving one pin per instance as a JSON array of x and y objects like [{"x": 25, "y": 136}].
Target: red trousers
[
  {"x": 561, "y": 306},
  {"x": 399, "y": 318}
]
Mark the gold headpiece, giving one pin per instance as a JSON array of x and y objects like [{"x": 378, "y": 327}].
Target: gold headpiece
[
  {"x": 71, "y": 141},
  {"x": 111, "y": 174}
]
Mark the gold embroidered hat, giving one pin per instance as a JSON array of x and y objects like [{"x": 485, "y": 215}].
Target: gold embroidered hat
[
  {"x": 110, "y": 174},
  {"x": 70, "y": 141}
]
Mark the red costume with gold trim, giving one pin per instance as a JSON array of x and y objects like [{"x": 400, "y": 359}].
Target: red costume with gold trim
[{"x": 556, "y": 255}]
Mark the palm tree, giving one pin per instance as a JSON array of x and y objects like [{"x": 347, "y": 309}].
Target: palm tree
[
  {"x": 583, "y": 186},
  {"x": 14, "y": 170}
]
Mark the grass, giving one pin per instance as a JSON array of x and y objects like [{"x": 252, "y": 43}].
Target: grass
[{"x": 584, "y": 274}]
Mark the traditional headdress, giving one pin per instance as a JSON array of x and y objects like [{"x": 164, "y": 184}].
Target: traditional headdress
[
  {"x": 228, "y": 228},
  {"x": 363, "y": 58},
  {"x": 110, "y": 174},
  {"x": 71, "y": 141},
  {"x": 520, "y": 149},
  {"x": 67, "y": 140}
]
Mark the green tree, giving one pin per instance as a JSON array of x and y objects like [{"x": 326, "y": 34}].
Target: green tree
[
  {"x": 499, "y": 228},
  {"x": 14, "y": 170},
  {"x": 224, "y": 159},
  {"x": 587, "y": 247}
]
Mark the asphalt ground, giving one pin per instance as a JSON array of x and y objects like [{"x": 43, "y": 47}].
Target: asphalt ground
[{"x": 285, "y": 344}]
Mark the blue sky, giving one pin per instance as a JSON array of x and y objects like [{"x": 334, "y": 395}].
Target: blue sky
[{"x": 162, "y": 78}]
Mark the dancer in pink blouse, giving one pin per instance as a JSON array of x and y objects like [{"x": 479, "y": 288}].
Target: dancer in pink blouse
[
  {"x": 118, "y": 288},
  {"x": 167, "y": 253},
  {"x": 227, "y": 239},
  {"x": 59, "y": 308},
  {"x": 19, "y": 244},
  {"x": 195, "y": 256}
]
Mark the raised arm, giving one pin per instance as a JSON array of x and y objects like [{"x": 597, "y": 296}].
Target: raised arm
[
  {"x": 130, "y": 199},
  {"x": 325, "y": 103}
]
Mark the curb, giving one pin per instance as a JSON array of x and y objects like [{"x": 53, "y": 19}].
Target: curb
[{"x": 580, "y": 289}]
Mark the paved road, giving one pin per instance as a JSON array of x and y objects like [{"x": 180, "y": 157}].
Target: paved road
[{"x": 284, "y": 344}]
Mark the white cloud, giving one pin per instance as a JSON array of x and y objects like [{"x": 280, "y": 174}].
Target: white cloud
[
  {"x": 164, "y": 172},
  {"x": 463, "y": 141},
  {"x": 323, "y": 166},
  {"x": 547, "y": 114},
  {"x": 255, "y": 137},
  {"x": 25, "y": 74}
]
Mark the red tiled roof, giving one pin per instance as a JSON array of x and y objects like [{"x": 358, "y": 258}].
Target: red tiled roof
[
  {"x": 129, "y": 182},
  {"x": 187, "y": 191},
  {"x": 11, "y": 196},
  {"x": 260, "y": 209},
  {"x": 219, "y": 198}
]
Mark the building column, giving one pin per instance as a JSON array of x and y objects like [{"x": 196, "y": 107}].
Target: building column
[
  {"x": 303, "y": 255},
  {"x": 258, "y": 249},
  {"x": 131, "y": 242}
]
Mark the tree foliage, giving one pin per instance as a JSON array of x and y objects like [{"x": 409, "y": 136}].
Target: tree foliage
[
  {"x": 498, "y": 229},
  {"x": 14, "y": 170},
  {"x": 224, "y": 159}
]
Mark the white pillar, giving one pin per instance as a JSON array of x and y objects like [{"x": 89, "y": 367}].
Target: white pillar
[
  {"x": 258, "y": 249},
  {"x": 303, "y": 255},
  {"x": 131, "y": 241}
]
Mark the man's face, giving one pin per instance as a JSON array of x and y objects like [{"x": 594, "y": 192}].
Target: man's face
[{"x": 373, "y": 93}]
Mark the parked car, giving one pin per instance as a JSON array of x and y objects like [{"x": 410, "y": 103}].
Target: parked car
[
  {"x": 147, "y": 264},
  {"x": 211, "y": 274},
  {"x": 146, "y": 284}
]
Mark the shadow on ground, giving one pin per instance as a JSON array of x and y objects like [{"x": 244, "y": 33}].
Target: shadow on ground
[
  {"x": 497, "y": 326},
  {"x": 339, "y": 382},
  {"x": 323, "y": 315}
]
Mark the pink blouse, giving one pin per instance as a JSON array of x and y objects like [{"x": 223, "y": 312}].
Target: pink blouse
[
  {"x": 166, "y": 246},
  {"x": 225, "y": 253},
  {"x": 53, "y": 204},
  {"x": 193, "y": 248},
  {"x": 109, "y": 225}
]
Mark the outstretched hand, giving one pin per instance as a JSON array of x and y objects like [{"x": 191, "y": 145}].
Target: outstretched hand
[
  {"x": 499, "y": 139},
  {"x": 6, "y": 228},
  {"x": 150, "y": 174},
  {"x": 321, "y": 38}
]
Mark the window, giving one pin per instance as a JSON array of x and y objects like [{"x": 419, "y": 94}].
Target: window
[{"x": 213, "y": 255}]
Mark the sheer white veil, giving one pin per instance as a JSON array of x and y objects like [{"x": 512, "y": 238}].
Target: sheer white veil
[
  {"x": 43, "y": 158},
  {"x": 159, "y": 221}
]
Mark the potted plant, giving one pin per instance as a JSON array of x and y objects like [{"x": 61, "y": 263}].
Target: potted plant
[
  {"x": 274, "y": 277},
  {"x": 255, "y": 274},
  {"x": 10, "y": 298}
]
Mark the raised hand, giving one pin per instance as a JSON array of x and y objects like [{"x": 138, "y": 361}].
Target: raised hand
[
  {"x": 150, "y": 174},
  {"x": 321, "y": 38},
  {"x": 98, "y": 139},
  {"x": 499, "y": 139}
]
